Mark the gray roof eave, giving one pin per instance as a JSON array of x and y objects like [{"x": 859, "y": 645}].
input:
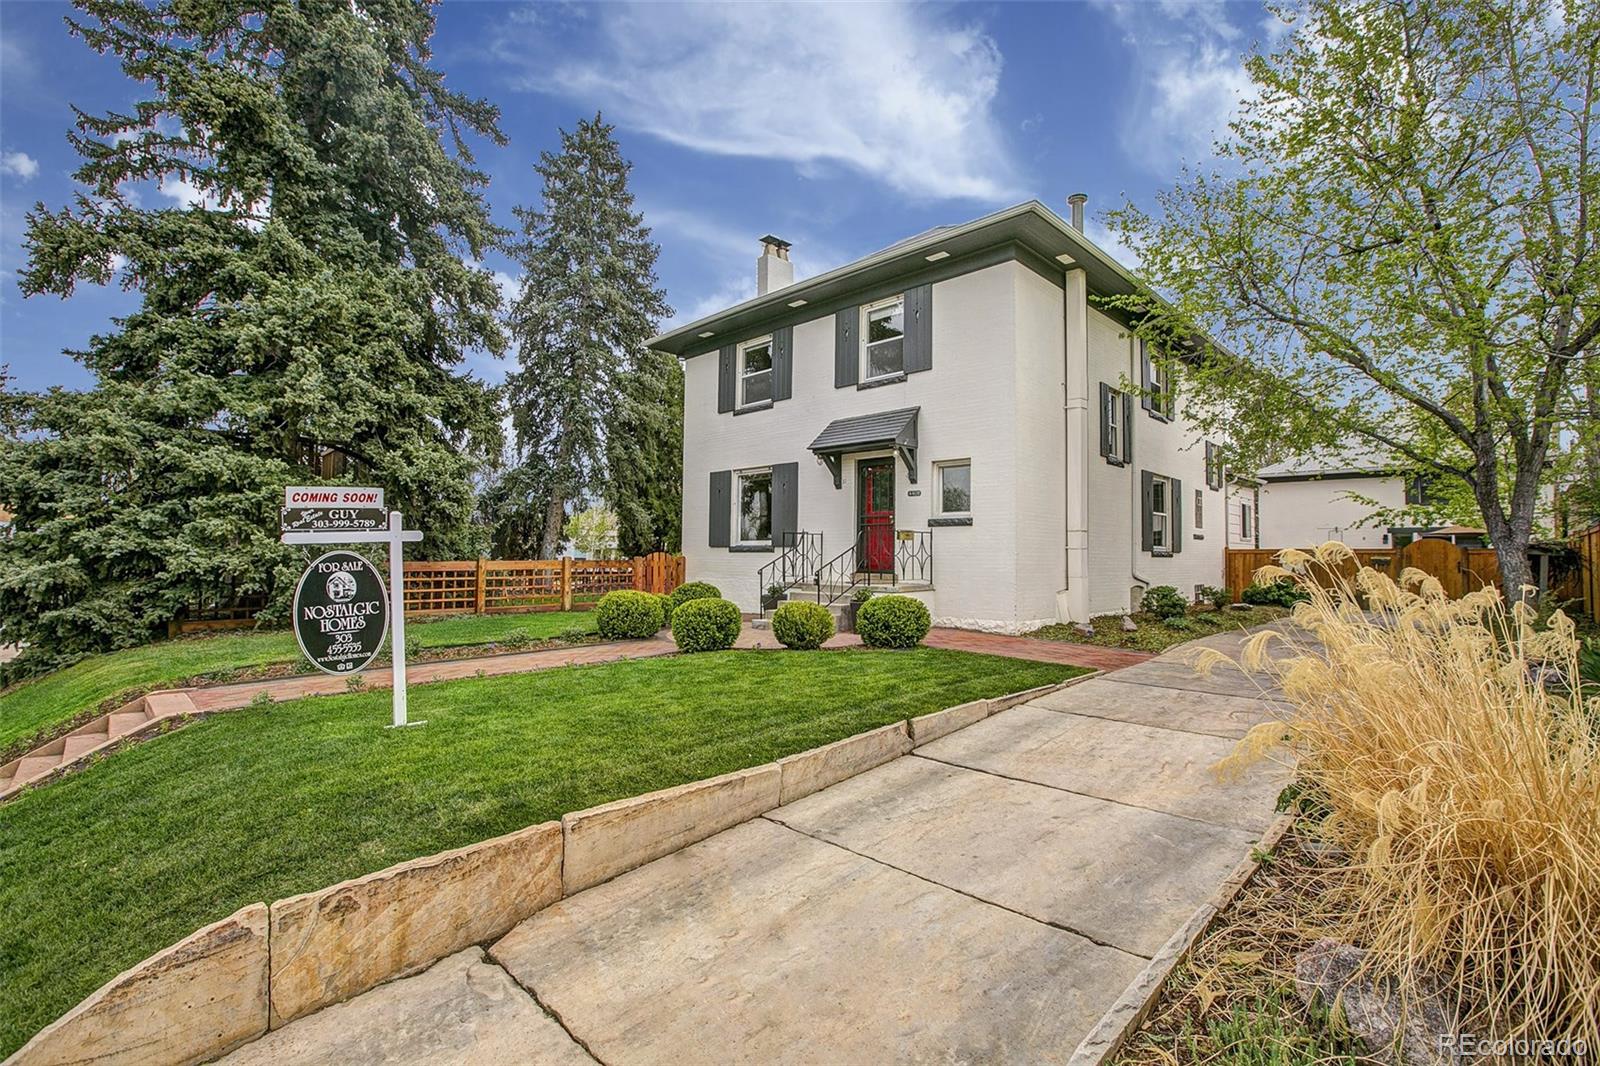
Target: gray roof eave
[{"x": 1029, "y": 224}]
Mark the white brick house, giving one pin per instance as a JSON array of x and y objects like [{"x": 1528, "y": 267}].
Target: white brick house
[{"x": 948, "y": 415}]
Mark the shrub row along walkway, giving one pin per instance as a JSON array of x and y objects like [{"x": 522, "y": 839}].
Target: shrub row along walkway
[{"x": 986, "y": 898}]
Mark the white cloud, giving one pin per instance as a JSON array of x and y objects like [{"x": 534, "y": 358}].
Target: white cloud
[
  {"x": 19, "y": 165},
  {"x": 1110, "y": 243},
  {"x": 729, "y": 245},
  {"x": 186, "y": 193},
  {"x": 729, "y": 290},
  {"x": 1189, "y": 77},
  {"x": 508, "y": 286},
  {"x": 896, "y": 91}
]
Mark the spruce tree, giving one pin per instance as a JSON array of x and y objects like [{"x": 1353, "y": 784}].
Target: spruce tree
[
  {"x": 301, "y": 318},
  {"x": 588, "y": 302},
  {"x": 644, "y": 452}
]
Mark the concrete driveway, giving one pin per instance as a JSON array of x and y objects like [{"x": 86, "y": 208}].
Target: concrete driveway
[{"x": 984, "y": 899}]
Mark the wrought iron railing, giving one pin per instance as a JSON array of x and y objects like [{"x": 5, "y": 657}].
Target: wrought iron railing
[
  {"x": 797, "y": 564},
  {"x": 912, "y": 564},
  {"x": 913, "y": 556}
]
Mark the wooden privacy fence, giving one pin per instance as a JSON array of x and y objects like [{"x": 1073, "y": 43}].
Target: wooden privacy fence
[
  {"x": 501, "y": 586},
  {"x": 1459, "y": 570},
  {"x": 1588, "y": 545}
]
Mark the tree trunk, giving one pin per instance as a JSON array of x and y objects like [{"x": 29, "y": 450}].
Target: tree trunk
[
  {"x": 555, "y": 513},
  {"x": 1510, "y": 533}
]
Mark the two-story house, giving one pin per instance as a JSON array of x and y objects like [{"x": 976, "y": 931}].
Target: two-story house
[{"x": 950, "y": 415}]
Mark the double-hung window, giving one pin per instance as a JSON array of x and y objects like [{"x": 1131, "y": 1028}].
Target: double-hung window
[
  {"x": 1160, "y": 514},
  {"x": 1113, "y": 420},
  {"x": 883, "y": 347},
  {"x": 1160, "y": 389},
  {"x": 755, "y": 372},
  {"x": 752, "y": 503}
]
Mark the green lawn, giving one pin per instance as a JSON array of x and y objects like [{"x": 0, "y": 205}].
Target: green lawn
[
  {"x": 36, "y": 708},
  {"x": 103, "y": 867},
  {"x": 1152, "y": 634}
]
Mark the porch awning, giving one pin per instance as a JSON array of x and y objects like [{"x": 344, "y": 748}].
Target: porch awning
[{"x": 884, "y": 429}]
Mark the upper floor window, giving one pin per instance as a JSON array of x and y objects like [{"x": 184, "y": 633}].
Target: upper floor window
[
  {"x": 1112, "y": 417},
  {"x": 883, "y": 353},
  {"x": 1160, "y": 389},
  {"x": 755, "y": 372},
  {"x": 1199, "y": 510}
]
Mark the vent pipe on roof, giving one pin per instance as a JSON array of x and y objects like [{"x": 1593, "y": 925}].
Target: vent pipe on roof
[
  {"x": 773, "y": 269},
  {"x": 1076, "y": 202}
]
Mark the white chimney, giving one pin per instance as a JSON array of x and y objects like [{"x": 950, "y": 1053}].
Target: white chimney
[{"x": 773, "y": 269}]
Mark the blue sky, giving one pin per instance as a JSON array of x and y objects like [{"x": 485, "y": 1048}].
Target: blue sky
[{"x": 840, "y": 127}]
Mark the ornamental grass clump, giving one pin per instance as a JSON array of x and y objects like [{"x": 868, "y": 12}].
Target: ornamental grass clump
[{"x": 1461, "y": 772}]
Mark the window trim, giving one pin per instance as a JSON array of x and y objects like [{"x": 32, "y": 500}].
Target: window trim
[
  {"x": 741, "y": 377},
  {"x": 864, "y": 376},
  {"x": 1199, "y": 513},
  {"x": 1161, "y": 520},
  {"x": 938, "y": 511},
  {"x": 1244, "y": 520},
  {"x": 736, "y": 541}
]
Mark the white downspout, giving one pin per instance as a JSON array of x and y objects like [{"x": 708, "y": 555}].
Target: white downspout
[
  {"x": 1136, "y": 512},
  {"x": 1072, "y": 602}
]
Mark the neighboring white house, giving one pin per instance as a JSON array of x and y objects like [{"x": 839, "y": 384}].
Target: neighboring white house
[
  {"x": 948, "y": 414},
  {"x": 1318, "y": 498}
]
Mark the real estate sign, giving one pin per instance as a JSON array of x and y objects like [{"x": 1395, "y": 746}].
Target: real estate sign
[
  {"x": 324, "y": 519},
  {"x": 341, "y": 613},
  {"x": 331, "y": 496}
]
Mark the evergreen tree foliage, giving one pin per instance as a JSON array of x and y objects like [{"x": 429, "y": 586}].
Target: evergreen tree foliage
[
  {"x": 588, "y": 301},
  {"x": 302, "y": 315},
  {"x": 644, "y": 451}
]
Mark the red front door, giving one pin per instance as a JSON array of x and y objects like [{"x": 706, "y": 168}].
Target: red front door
[{"x": 877, "y": 514}]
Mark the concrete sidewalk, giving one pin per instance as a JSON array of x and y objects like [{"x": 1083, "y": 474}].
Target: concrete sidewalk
[{"x": 984, "y": 899}]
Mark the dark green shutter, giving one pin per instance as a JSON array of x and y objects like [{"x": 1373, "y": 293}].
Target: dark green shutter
[
  {"x": 1127, "y": 428},
  {"x": 721, "y": 507},
  {"x": 785, "y": 502},
  {"x": 1105, "y": 422},
  {"x": 1144, "y": 377},
  {"x": 919, "y": 329},
  {"x": 783, "y": 363},
  {"x": 1175, "y": 513},
  {"x": 727, "y": 368},
  {"x": 846, "y": 347},
  {"x": 1146, "y": 506}
]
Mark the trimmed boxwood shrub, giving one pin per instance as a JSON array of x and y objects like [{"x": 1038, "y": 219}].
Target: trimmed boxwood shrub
[
  {"x": 625, "y": 615},
  {"x": 692, "y": 590},
  {"x": 802, "y": 625},
  {"x": 1163, "y": 601},
  {"x": 892, "y": 622},
  {"x": 1280, "y": 593},
  {"x": 705, "y": 625},
  {"x": 665, "y": 599}
]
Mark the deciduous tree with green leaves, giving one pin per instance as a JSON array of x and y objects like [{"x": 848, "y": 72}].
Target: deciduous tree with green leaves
[
  {"x": 588, "y": 301},
  {"x": 302, "y": 316},
  {"x": 1397, "y": 240}
]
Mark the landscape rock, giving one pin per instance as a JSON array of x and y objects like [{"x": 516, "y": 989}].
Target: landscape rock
[
  {"x": 189, "y": 1003},
  {"x": 1409, "y": 1031},
  {"x": 1129, "y": 625},
  {"x": 338, "y": 942}
]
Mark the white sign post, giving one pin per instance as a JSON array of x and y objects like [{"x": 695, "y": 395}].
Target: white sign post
[{"x": 394, "y": 536}]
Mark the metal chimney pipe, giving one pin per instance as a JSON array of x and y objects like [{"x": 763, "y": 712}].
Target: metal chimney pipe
[{"x": 1076, "y": 202}]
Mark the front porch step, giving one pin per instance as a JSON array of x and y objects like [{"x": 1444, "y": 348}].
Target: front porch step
[{"x": 840, "y": 593}]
